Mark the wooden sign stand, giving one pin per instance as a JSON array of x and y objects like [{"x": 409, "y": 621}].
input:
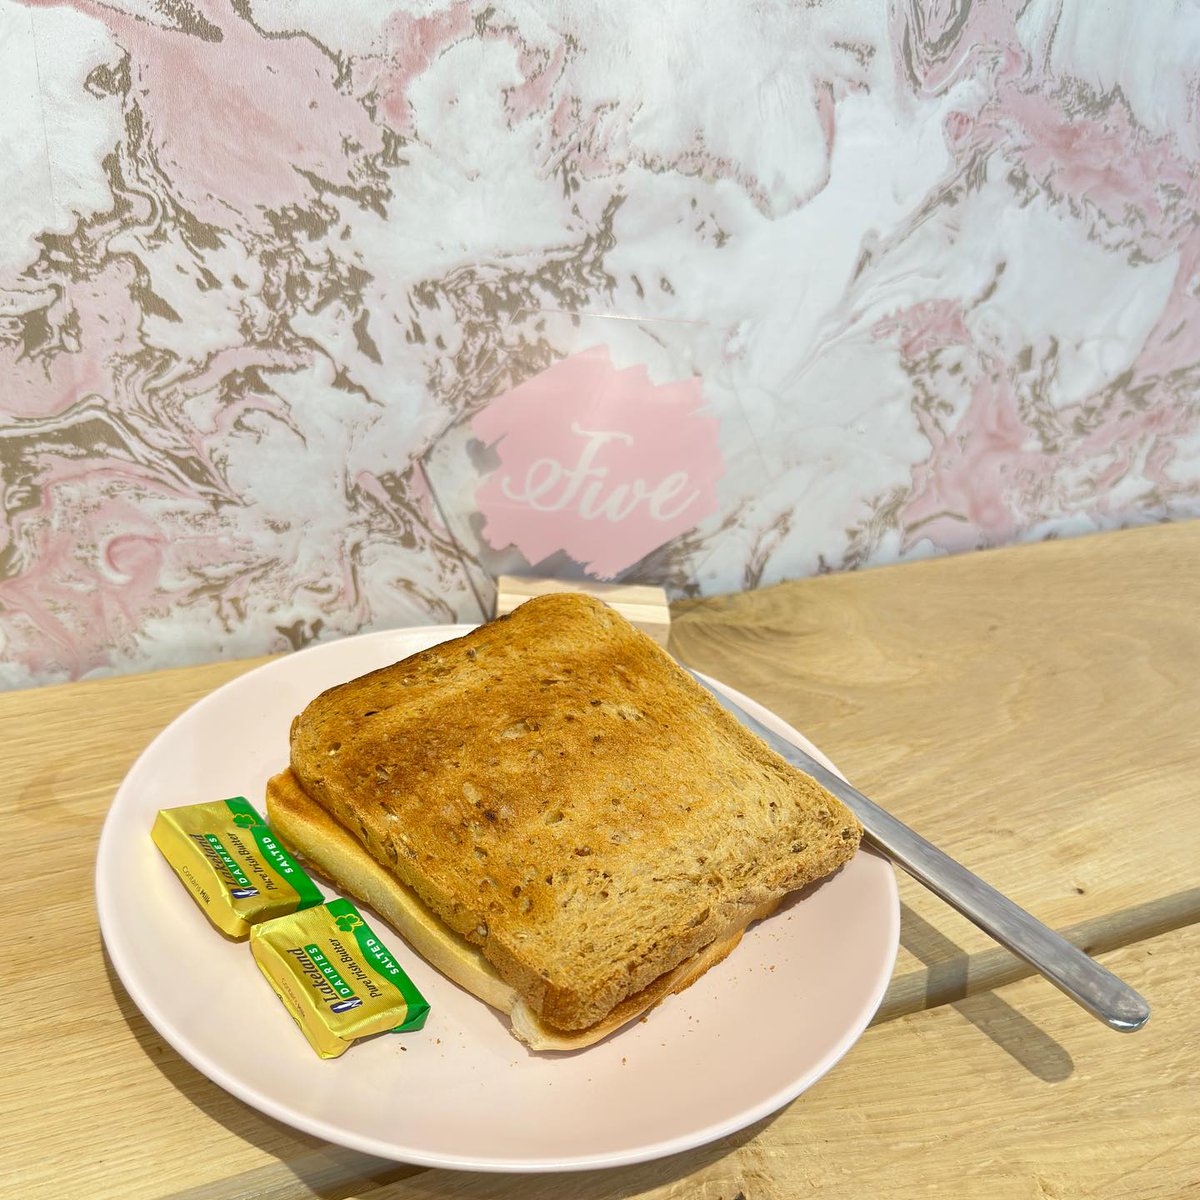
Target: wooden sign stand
[{"x": 641, "y": 605}]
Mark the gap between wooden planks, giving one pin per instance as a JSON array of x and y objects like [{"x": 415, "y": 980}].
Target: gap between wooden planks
[{"x": 1014, "y": 1093}]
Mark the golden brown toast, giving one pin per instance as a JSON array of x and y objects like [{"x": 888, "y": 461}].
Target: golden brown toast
[
  {"x": 328, "y": 849},
  {"x": 560, "y": 793}
]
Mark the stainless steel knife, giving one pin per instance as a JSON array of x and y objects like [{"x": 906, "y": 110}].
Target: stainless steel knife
[{"x": 1084, "y": 980}]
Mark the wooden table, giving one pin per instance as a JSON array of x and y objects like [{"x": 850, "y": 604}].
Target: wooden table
[{"x": 1035, "y": 711}]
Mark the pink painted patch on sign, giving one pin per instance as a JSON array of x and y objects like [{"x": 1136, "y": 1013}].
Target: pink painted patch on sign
[{"x": 598, "y": 462}]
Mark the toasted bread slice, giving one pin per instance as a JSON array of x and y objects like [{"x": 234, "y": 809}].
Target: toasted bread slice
[
  {"x": 329, "y": 850},
  {"x": 560, "y": 793}
]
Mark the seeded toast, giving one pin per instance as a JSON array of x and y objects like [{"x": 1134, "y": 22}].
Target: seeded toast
[
  {"x": 561, "y": 795},
  {"x": 330, "y": 850}
]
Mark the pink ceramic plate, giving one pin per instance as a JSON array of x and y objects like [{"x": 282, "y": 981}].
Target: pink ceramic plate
[{"x": 750, "y": 1036}]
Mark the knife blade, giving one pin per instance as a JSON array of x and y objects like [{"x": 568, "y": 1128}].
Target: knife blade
[{"x": 1089, "y": 984}]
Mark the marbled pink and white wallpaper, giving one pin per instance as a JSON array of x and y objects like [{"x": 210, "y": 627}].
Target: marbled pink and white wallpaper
[{"x": 263, "y": 262}]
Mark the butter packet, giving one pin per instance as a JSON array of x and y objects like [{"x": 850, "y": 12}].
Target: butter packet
[
  {"x": 231, "y": 862},
  {"x": 335, "y": 977}
]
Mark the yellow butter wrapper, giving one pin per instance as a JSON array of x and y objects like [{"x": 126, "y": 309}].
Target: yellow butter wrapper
[
  {"x": 335, "y": 977},
  {"x": 233, "y": 865}
]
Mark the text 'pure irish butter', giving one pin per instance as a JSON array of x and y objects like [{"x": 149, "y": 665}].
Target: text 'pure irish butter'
[
  {"x": 335, "y": 977},
  {"x": 233, "y": 865}
]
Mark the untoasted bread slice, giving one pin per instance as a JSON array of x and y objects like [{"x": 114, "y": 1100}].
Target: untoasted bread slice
[
  {"x": 557, "y": 791},
  {"x": 328, "y": 849}
]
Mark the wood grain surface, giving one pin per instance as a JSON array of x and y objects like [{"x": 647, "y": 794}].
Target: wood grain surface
[
  {"x": 1006, "y": 1095},
  {"x": 1034, "y": 711}
]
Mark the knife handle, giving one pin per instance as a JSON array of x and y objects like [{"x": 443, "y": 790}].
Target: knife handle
[{"x": 1067, "y": 967}]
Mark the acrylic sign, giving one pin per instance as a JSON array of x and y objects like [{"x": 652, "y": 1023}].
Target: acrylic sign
[{"x": 598, "y": 462}]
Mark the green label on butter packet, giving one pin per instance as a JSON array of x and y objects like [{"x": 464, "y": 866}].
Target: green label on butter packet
[
  {"x": 232, "y": 864},
  {"x": 335, "y": 977},
  {"x": 225, "y": 861},
  {"x": 347, "y": 918}
]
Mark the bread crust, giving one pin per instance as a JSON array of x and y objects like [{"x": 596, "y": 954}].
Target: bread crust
[{"x": 558, "y": 792}]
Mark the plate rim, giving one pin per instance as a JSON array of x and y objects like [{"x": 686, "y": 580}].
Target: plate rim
[{"x": 117, "y": 950}]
